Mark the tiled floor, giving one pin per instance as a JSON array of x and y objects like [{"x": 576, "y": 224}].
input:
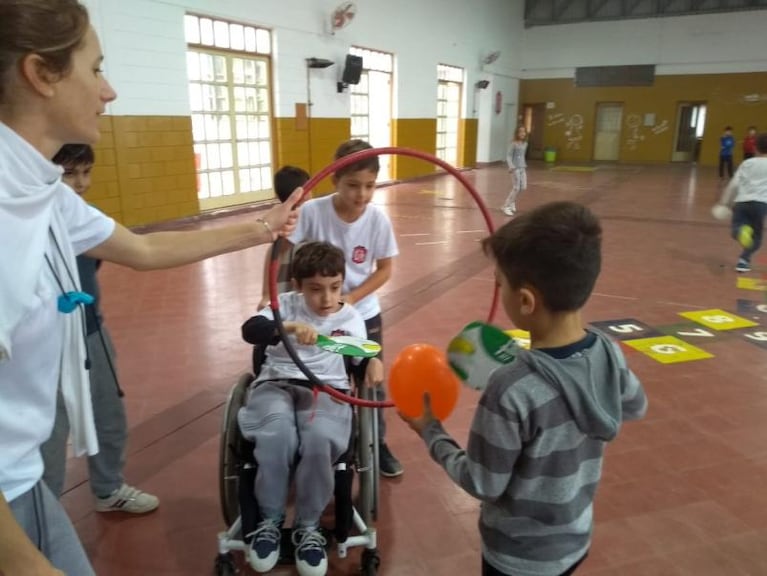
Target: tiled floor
[{"x": 683, "y": 491}]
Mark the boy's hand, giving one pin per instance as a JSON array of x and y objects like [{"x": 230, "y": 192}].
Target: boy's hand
[
  {"x": 374, "y": 373},
  {"x": 304, "y": 333},
  {"x": 418, "y": 424}
]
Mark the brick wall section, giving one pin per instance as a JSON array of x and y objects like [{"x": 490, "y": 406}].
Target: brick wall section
[
  {"x": 145, "y": 169},
  {"x": 105, "y": 189}
]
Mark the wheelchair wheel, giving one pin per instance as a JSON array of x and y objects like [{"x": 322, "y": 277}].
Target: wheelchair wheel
[
  {"x": 228, "y": 464},
  {"x": 225, "y": 565},
  {"x": 370, "y": 562},
  {"x": 368, "y": 490}
]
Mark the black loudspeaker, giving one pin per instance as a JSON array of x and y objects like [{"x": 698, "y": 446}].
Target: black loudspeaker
[{"x": 352, "y": 69}]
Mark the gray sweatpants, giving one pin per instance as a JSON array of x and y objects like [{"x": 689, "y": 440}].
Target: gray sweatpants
[
  {"x": 46, "y": 524},
  {"x": 518, "y": 184},
  {"x": 285, "y": 422},
  {"x": 106, "y": 467}
]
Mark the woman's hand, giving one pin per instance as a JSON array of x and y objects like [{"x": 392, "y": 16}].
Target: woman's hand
[{"x": 281, "y": 219}]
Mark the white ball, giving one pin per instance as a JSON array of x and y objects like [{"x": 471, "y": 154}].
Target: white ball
[{"x": 721, "y": 212}]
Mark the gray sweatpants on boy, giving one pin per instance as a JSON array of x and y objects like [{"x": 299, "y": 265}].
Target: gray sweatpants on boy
[
  {"x": 106, "y": 467},
  {"x": 286, "y": 423},
  {"x": 47, "y": 525}
]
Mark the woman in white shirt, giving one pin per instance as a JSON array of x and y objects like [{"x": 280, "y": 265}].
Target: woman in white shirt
[{"x": 52, "y": 93}]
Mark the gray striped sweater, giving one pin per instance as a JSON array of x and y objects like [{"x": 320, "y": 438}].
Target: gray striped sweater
[{"x": 534, "y": 456}]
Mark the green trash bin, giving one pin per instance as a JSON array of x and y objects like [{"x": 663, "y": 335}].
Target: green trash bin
[{"x": 550, "y": 155}]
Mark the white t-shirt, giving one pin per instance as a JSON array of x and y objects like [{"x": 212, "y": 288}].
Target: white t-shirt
[
  {"x": 367, "y": 239},
  {"x": 751, "y": 180},
  {"x": 28, "y": 381},
  {"x": 327, "y": 366}
]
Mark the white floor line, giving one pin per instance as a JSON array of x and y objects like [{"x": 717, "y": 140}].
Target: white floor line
[
  {"x": 664, "y": 302},
  {"x": 684, "y": 305},
  {"x": 415, "y": 234},
  {"x": 614, "y": 296},
  {"x": 470, "y": 231},
  {"x": 430, "y": 243}
]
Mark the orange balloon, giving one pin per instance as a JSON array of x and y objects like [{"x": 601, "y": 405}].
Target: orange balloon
[{"x": 421, "y": 368}]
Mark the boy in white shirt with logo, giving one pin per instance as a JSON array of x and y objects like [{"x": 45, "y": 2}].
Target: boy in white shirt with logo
[{"x": 365, "y": 235}]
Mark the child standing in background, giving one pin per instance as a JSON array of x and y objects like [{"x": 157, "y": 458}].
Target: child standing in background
[
  {"x": 515, "y": 158},
  {"x": 105, "y": 468},
  {"x": 726, "y": 146},
  {"x": 749, "y": 143}
]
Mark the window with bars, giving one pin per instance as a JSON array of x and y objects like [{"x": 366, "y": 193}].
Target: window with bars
[
  {"x": 228, "y": 67},
  {"x": 372, "y": 61},
  {"x": 449, "y": 90}
]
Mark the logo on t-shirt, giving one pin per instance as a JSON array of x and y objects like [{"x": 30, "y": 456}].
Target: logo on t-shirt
[
  {"x": 340, "y": 332},
  {"x": 359, "y": 254}
]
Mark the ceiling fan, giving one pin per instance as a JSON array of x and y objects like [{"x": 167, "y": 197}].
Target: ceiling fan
[{"x": 342, "y": 16}]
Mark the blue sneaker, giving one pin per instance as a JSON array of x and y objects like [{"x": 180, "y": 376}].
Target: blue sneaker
[
  {"x": 311, "y": 559},
  {"x": 265, "y": 547}
]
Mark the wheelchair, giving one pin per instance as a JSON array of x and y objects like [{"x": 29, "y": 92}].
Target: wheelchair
[{"x": 354, "y": 514}]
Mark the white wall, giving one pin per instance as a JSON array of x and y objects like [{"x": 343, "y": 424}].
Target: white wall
[
  {"x": 143, "y": 41},
  {"x": 706, "y": 44}
]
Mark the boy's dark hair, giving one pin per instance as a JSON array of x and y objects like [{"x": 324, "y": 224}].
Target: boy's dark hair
[
  {"x": 74, "y": 155},
  {"x": 350, "y": 147},
  {"x": 287, "y": 179},
  {"x": 315, "y": 258},
  {"x": 555, "y": 248},
  {"x": 726, "y": 128},
  {"x": 761, "y": 143}
]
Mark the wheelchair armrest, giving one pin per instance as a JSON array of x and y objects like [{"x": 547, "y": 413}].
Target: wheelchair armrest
[{"x": 258, "y": 357}]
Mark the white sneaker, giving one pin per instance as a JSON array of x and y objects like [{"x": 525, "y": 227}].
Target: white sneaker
[
  {"x": 264, "y": 551},
  {"x": 311, "y": 559},
  {"x": 508, "y": 210},
  {"x": 127, "y": 499}
]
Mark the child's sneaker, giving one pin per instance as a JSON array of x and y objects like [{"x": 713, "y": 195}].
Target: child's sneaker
[
  {"x": 508, "y": 210},
  {"x": 264, "y": 549},
  {"x": 743, "y": 265},
  {"x": 127, "y": 499},
  {"x": 311, "y": 559},
  {"x": 746, "y": 236},
  {"x": 388, "y": 465}
]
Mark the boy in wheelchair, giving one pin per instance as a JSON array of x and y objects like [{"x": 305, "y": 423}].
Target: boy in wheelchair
[{"x": 294, "y": 430}]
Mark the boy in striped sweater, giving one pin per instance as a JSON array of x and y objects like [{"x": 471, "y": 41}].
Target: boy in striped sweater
[{"x": 534, "y": 456}]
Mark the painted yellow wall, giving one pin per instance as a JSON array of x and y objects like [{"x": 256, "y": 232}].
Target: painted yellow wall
[
  {"x": 417, "y": 133},
  {"x": 722, "y": 93},
  {"x": 145, "y": 170},
  {"x": 467, "y": 142},
  {"x": 311, "y": 146}
]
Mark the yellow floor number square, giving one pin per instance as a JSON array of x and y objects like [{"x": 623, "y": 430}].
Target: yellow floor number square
[
  {"x": 718, "y": 319},
  {"x": 668, "y": 349},
  {"x": 746, "y": 283}
]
